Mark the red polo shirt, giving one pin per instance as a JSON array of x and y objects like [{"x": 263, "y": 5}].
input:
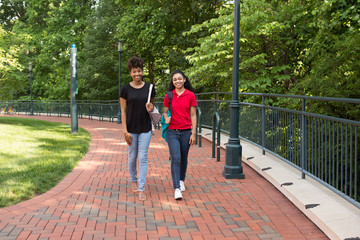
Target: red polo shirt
[{"x": 180, "y": 105}]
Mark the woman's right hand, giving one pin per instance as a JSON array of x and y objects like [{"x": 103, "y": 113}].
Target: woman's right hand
[
  {"x": 128, "y": 138},
  {"x": 167, "y": 120}
]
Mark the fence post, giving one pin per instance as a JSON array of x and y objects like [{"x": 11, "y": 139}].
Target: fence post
[
  {"x": 215, "y": 103},
  {"x": 101, "y": 113},
  {"x": 263, "y": 125},
  {"x": 112, "y": 113},
  {"x": 303, "y": 139},
  {"x": 81, "y": 111},
  {"x": 90, "y": 112},
  {"x": 199, "y": 125},
  {"x": 218, "y": 137},
  {"x": 213, "y": 135},
  {"x": 216, "y": 127}
]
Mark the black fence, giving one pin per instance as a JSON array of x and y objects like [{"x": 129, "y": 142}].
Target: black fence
[{"x": 323, "y": 147}]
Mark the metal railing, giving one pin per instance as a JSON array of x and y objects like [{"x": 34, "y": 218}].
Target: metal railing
[
  {"x": 100, "y": 110},
  {"x": 323, "y": 147}
]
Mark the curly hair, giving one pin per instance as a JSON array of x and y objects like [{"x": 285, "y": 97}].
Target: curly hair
[
  {"x": 187, "y": 83},
  {"x": 135, "y": 62}
]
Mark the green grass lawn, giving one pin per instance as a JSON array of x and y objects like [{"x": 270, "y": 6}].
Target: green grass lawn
[{"x": 35, "y": 155}]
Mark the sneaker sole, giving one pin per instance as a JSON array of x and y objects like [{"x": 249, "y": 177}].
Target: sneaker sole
[{"x": 179, "y": 197}]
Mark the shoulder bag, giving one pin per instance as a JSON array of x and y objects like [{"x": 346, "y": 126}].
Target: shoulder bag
[{"x": 154, "y": 114}]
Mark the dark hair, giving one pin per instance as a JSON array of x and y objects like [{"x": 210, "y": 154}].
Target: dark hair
[
  {"x": 135, "y": 62},
  {"x": 187, "y": 83}
]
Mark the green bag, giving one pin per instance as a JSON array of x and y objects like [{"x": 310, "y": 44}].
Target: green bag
[{"x": 165, "y": 126}]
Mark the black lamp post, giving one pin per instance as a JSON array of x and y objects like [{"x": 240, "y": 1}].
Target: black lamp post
[
  {"x": 119, "y": 109},
  {"x": 233, "y": 168},
  {"x": 31, "y": 101}
]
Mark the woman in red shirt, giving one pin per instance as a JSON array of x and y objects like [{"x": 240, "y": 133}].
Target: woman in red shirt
[{"x": 181, "y": 132}]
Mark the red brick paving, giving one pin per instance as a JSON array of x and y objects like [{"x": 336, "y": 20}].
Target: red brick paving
[{"x": 95, "y": 200}]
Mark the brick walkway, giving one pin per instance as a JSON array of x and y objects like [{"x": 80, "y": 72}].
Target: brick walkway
[{"x": 95, "y": 200}]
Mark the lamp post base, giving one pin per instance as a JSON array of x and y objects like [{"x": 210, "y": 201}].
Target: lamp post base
[{"x": 233, "y": 168}]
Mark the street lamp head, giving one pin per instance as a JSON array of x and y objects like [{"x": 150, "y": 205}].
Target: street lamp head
[
  {"x": 119, "y": 46},
  {"x": 30, "y": 66}
]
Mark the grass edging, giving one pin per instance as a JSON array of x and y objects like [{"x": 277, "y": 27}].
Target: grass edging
[{"x": 35, "y": 155}]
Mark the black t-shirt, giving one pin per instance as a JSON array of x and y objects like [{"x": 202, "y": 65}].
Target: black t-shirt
[{"x": 137, "y": 117}]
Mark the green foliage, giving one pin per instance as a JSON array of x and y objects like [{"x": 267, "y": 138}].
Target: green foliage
[
  {"x": 211, "y": 59},
  {"x": 11, "y": 10},
  {"x": 304, "y": 47},
  {"x": 53, "y": 27},
  {"x": 269, "y": 47},
  {"x": 99, "y": 64},
  {"x": 11, "y": 47},
  {"x": 36, "y": 155},
  {"x": 334, "y": 56},
  {"x": 143, "y": 31},
  {"x": 153, "y": 30}
]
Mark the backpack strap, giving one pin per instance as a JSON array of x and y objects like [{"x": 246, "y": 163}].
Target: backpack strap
[{"x": 170, "y": 96}]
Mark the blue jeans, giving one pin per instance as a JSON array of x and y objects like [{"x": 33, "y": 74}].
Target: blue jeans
[
  {"x": 139, "y": 148},
  {"x": 179, "y": 149}
]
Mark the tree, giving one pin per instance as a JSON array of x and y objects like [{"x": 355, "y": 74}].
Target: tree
[
  {"x": 271, "y": 43},
  {"x": 211, "y": 59},
  {"x": 333, "y": 57},
  {"x": 53, "y": 27},
  {"x": 98, "y": 69},
  {"x": 11, "y": 46},
  {"x": 153, "y": 31},
  {"x": 11, "y": 10}
]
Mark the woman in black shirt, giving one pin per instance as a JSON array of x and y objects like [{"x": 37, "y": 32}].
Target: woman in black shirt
[{"x": 136, "y": 123}]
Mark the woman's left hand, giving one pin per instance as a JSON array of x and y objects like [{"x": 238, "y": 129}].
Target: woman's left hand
[
  {"x": 192, "y": 139},
  {"x": 149, "y": 107}
]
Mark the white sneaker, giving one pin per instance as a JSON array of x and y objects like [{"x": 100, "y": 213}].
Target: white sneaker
[
  {"x": 182, "y": 186},
  {"x": 178, "y": 194}
]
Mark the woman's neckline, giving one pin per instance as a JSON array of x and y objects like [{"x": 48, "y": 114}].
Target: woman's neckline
[
  {"x": 137, "y": 86},
  {"x": 181, "y": 92}
]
